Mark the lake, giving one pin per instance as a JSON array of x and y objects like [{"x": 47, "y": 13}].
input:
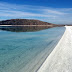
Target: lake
[{"x": 25, "y": 51}]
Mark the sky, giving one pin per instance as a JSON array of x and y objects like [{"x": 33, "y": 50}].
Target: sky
[{"x": 53, "y": 11}]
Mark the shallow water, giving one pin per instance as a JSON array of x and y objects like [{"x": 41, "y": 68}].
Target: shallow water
[{"x": 26, "y": 51}]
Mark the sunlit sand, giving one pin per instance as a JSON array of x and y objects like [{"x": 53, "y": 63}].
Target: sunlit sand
[{"x": 60, "y": 60}]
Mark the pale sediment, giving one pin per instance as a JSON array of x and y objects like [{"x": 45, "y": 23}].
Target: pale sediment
[{"x": 60, "y": 59}]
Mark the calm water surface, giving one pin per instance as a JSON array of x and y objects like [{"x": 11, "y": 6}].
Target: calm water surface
[{"x": 26, "y": 51}]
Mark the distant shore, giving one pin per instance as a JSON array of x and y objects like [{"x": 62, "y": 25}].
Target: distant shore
[
  {"x": 25, "y": 25},
  {"x": 33, "y": 25},
  {"x": 26, "y": 22}
]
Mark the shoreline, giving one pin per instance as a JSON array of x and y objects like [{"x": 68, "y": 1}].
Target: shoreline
[
  {"x": 26, "y": 25},
  {"x": 33, "y": 25},
  {"x": 60, "y": 59}
]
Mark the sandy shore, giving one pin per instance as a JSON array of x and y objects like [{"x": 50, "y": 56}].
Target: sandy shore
[{"x": 60, "y": 59}]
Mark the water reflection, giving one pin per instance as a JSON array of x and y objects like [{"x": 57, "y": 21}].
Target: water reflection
[{"x": 23, "y": 28}]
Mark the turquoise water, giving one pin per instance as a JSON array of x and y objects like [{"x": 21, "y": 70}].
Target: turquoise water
[{"x": 26, "y": 51}]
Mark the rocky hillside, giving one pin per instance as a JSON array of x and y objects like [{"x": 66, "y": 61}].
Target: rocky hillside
[{"x": 23, "y": 22}]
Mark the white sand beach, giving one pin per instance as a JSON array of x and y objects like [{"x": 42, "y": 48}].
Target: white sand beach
[{"x": 60, "y": 59}]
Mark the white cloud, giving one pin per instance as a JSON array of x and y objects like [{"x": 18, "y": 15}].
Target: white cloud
[
  {"x": 21, "y": 14},
  {"x": 54, "y": 15},
  {"x": 53, "y": 12}
]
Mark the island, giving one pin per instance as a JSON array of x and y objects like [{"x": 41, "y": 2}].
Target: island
[
  {"x": 27, "y": 22},
  {"x": 25, "y": 25}
]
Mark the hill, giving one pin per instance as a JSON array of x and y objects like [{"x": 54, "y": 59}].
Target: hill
[{"x": 24, "y": 22}]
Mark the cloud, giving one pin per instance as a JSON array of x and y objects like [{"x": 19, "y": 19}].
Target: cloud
[
  {"x": 54, "y": 15},
  {"x": 20, "y": 10},
  {"x": 12, "y": 13},
  {"x": 53, "y": 12}
]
